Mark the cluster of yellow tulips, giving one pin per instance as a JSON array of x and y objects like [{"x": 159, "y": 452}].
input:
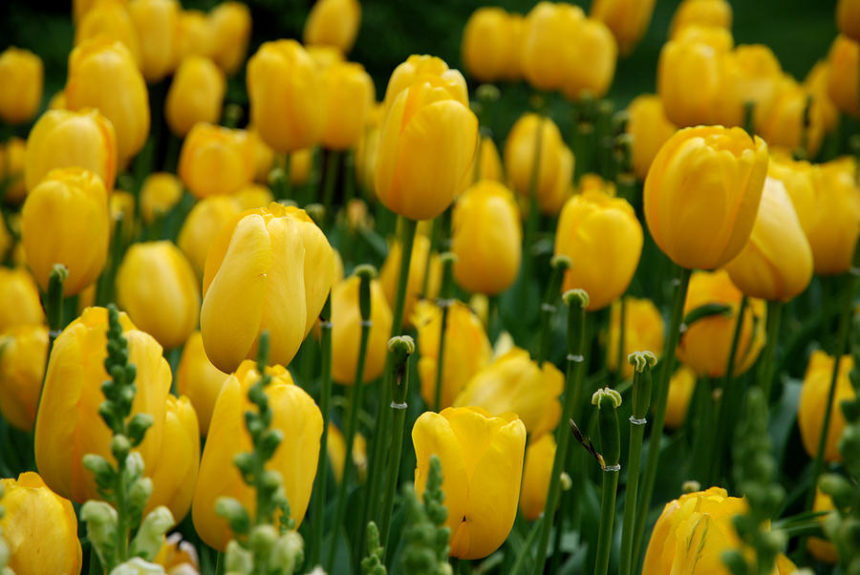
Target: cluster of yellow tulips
[{"x": 202, "y": 372}]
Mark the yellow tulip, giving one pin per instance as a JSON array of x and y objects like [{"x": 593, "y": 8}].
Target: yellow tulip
[
  {"x": 103, "y": 75},
  {"x": 198, "y": 379},
  {"x": 681, "y": 388},
  {"x": 324, "y": 57},
  {"x": 57, "y": 101},
  {"x": 482, "y": 462},
  {"x": 540, "y": 455},
  {"x": 797, "y": 179},
  {"x": 348, "y": 95},
  {"x": 39, "y": 527},
  {"x": 231, "y": 22},
  {"x": 515, "y": 383},
  {"x": 63, "y": 139},
  {"x": 159, "y": 193},
  {"x": 708, "y": 13},
  {"x": 23, "y": 350},
  {"x": 12, "y": 168},
  {"x": 21, "y": 80},
  {"x": 489, "y": 163},
  {"x": 783, "y": 125},
  {"x": 50, "y": 236},
  {"x": 418, "y": 267},
  {"x": 346, "y": 331},
  {"x": 589, "y": 60},
  {"x": 300, "y": 422},
  {"x": 687, "y": 62},
  {"x": 155, "y": 22},
  {"x": 643, "y": 331},
  {"x": 269, "y": 269},
  {"x": 195, "y": 35},
  {"x": 555, "y": 170},
  {"x": 816, "y": 83},
  {"x": 848, "y": 18},
  {"x": 836, "y": 225},
  {"x": 110, "y": 19},
  {"x": 415, "y": 68},
  {"x": 490, "y": 44},
  {"x": 628, "y": 20},
  {"x": 216, "y": 160},
  {"x": 705, "y": 345},
  {"x": 776, "y": 262},
  {"x": 80, "y": 8},
  {"x": 174, "y": 475},
  {"x": 336, "y": 451},
  {"x": 547, "y": 39},
  {"x": 195, "y": 95},
  {"x": 285, "y": 92},
  {"x": 813, "y": 402},
  {"x": 68, "y": 425},
  {"x": 365, "y": 160},
  {"x": 486, "y": 238},
  {"x": 649, "y": 128},
  {"x": 822, "y": 549},
  {"x": 844, "y": 62},
  {"x": 333, "y": 23},
  {"x": 467, "y": 350},
  {"x": 702, "y": 194},
  {"x": 121, "y": 205},
  {"x": 750, "y": 74},
  {"x": 426, "y": 147},
  {"x": 156, "y": 285},
  {"x": 17, "y": 285}
]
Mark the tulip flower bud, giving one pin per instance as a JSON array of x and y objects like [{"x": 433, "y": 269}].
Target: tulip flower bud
[
  {"x": 844, "y": 62},
  {"x": 103, "y": 75},
  {"x": 589, "y": 61},
  {"x": 490, "y": 44},
  {"x": 348, "y": 95},
  {"x": 68, "y": 425},
  {"x": 836, "y": 225},
  {"x": 750, "y": 75},
  {"x": 548, "y": 36},
  {"x": 650, "y": 129},
  {"x": 231, "y": 22},
  {"x": 195, "y": 95},
  {"x": 797, "y": 179},
  {"x": 776, "y": 263},
  {"x": 159, "y": 193},
  {"x": 467, "y": 349},
  {"x": 23, "y": 350},
  {"x": 333, "y": 23},
  {"x": 482, "y": 459},
  {"x": 813, "y": 402},
  {"x": 848, "y": 18},
  {"x": 336, "y": 451},
  {"x": 195, "y": 35},
  {"x": 346, "y": 331},
  {"x": 488, "y": 163},
  {"x": 556, "y": 165},
  {"x": 643, "y": 331},
  {"x": 264, "y": 262},
  {"x": 822, "y": 549},
  {"x": 111, "y": 19},
  {"x": 486, "y": 238},
  {"x": 294, "y": 415},
  {"x": 155, "y": 22},
  {"x": 199, "y": 380},
  {"x": 12, "y": 168},
  {"x": 702, "y": 194},
  {"x": 174, "y": 475},
  {"x": 795, "y": 121},
  {"x": 540, "y": 455},
  {"x": 203, "y": 222},
  {"x": 50, "y": 236},
  {"x": 39, "y": 527},
  {"x": 63, "y": 139},
  {"x": 705, "y": 345},
  {"x": 427, "y": 144},
  {"x": 216, "y": 160},
  {"x": 681, "y": 388},
  {"x": 17, "y": 285},
  {"x": 418, "y": 268},
  {"x": 21, "y": 79},
  {"x": 628, "y": 20},
  {"x": 709, "y": 13},
  {"x": 286, "y": 96},
  {"x": 157, "y": 287},
  {"x": 515, "y": 383},
  {"x": 603, "y": 237}
]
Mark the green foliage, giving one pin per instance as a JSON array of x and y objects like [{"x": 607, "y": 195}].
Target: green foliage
[
  {"x": 426, "y": 537},
  {"x": 374, "y": 563}
]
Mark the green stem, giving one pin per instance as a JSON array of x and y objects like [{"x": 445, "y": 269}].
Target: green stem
[
  {"x": 107, "y": 279},
  {"x": 122, "y": 526},
  {"x": 445, "y": 303},
  {"x": 434, "y": 244},
  {"x": 668, "y": 367},
  {"x": 841, "y": 344},
  {"x": 607, "y": 518},
  {"x": 702, "y": 453},
  {"x": 576, "y": 346},
  {"x": 349, "y": 177},
  {"x": 54, "y": 314},
  {"x": 559, "y": 264},
  {"x": 317, "y": 513},
  {"x": 767, "y": 361},
  {"x": 532, "y": 219},
  {"x": 329, "y": 181},
  {"x": 622, "y": 329},
  {"x": 527, "y": 545}
]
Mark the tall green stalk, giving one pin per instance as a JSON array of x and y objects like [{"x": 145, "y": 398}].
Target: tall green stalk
[
  {"x": 329, "y": 181},
  {"x": 768, "y": 356},
  {"x": 577, "y": 301},
  {"x": 668, "y": 367},
  {"x": 321, "y": 482},
  {"x": 559, "y": 264},
  {"x": 607, "y": 401},
  {"x": 445, "y": 303},
  {"x": 532, "y": 219}
]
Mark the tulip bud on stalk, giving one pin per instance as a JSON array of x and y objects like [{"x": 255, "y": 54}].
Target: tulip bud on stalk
[{"x": 607, "y": 401}]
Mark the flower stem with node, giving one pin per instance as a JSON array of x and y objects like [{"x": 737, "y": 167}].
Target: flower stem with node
[
  {"x": 444, "y": 303},
  {"x": 560, "y": 264},
  {"x": 576, "y": 300},
  {"x": 607, "y": 401},
  {"x": 321, "y": 484}
]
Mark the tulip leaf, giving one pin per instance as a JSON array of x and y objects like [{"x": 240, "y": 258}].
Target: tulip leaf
[{"x": 707, "y": 310}]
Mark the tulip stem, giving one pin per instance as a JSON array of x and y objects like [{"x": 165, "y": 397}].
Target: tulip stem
[
  {"x": 317, "y": 513},
  {"x": 610, "y": 446},
  {"x": 527, "y": 545},
  {"x": 559, "y": 265},
  {"x": 766, "y": 363},
  {"x": 532, "y": 220},
  {"x": 444, "y": 304},
  {"x": 332, "y": 162},
  {"x": 841, "y": 345},
  {"x": 622, "y": 329},
  {"x": 577, "y": 301},
  {"x": 106, "y": 281},
  {"x": 681, "y": 285}
]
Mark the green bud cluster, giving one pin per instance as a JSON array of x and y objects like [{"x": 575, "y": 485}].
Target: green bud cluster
[{"x": 426, "y": 537}]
